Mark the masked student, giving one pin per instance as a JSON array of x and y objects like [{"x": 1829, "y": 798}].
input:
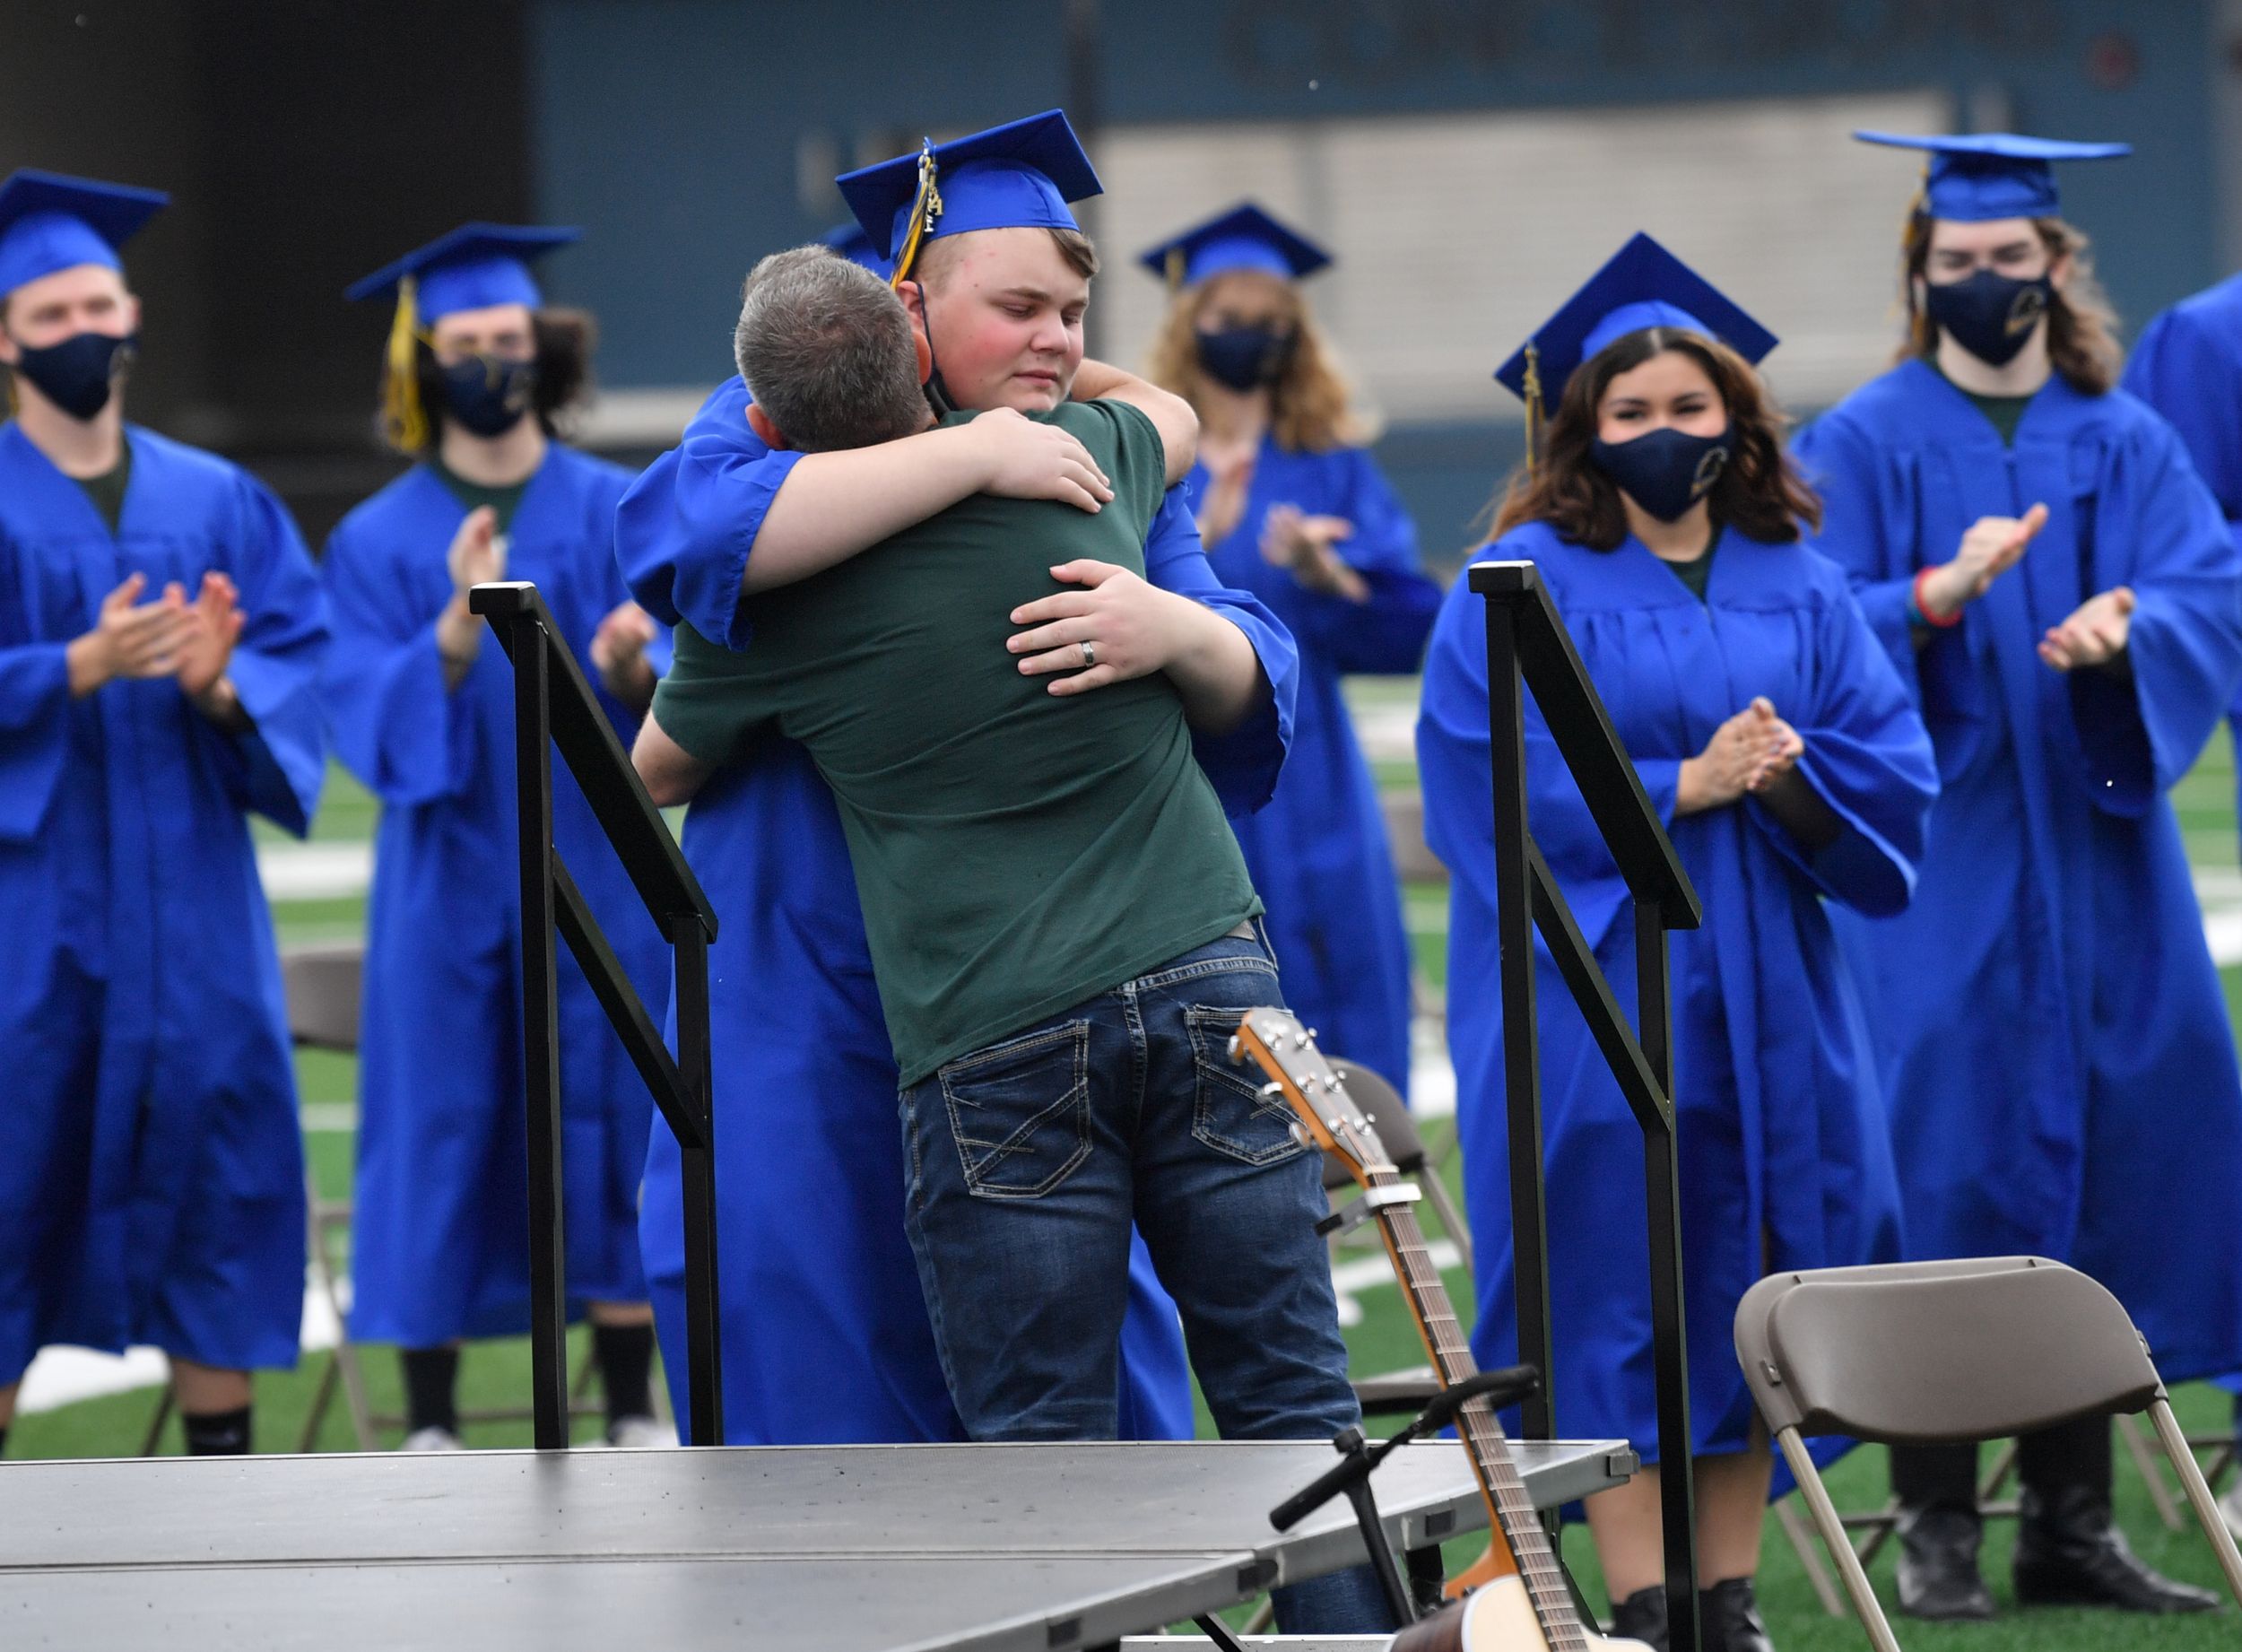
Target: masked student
[
  {"x": 420, "y": 696},
  {"x": 1778, "y": 747},
  {"x": 1060, "y": 920},
  {"x": 2188, "y": 366},
  {"x": 825, "y": 1334},
  {"x": 160, "y": 627},
  {"x": 2059, "y": 592},
  {"x": 1292, "y": 508}
]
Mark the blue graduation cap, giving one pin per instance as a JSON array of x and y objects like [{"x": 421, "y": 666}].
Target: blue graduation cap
[
  {"x": 473, "y": 267},
  {"x": 1641, "y": 285},
  {"x": 1981, "y": 176},
  {"x": 852, "y": 243},
  {"x": 1020, "y": 175},
  {"x": 476, "y": 265},
  {"x": 1245, "y": 237},
  {"x": 50, "y": 222}
]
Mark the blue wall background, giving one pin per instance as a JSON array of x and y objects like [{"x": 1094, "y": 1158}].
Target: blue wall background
[{"x": 673, "y": 130}]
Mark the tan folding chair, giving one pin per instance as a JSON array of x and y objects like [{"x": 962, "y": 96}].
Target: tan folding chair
[{"x": 1941, "y": 1352}]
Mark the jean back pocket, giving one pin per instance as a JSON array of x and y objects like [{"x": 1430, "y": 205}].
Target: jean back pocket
[
  {"x": 1020, "y": 1111},
  {"x": 1230, "y": 1114}
]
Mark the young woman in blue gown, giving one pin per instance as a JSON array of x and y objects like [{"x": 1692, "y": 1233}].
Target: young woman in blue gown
[{"x": 1777, "y": 744}]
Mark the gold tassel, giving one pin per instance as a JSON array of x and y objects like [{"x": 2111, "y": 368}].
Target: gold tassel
[
  {"x": 1533, "y": 405},
  {"x": 926, "y": 207},
  {"x": 1175, "y": 270},
  {"x": 402, "y": 419}
]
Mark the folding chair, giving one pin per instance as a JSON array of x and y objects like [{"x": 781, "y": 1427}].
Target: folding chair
[
  {"x": 1941, "y": 1352},
  {"x": 1404, "y": 1390}
]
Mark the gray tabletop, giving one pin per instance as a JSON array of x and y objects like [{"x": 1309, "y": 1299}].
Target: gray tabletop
[{"x": 848, "y": 1547}]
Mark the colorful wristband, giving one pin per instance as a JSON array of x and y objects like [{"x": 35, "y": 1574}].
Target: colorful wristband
[{"x": 1923, "y": 612}]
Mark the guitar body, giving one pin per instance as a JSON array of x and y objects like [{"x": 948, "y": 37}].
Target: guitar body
[{"x": 1497, "y": 1617}]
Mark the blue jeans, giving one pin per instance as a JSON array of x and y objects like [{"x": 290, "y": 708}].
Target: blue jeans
[{"x": 1029, "y": 1160}]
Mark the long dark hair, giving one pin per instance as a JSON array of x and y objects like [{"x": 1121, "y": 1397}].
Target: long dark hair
[
  {"x": 2082, "y": 325},
  {"x": 1761, "y": 494},
  {"x": 565, "y": 340}
]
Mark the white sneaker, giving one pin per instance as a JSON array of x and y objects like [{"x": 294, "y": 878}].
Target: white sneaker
[
  {"x": 641, "y": 1434},
  {"x": 432, "y": 1439},
  {"x": 2230, "y": 1508}
]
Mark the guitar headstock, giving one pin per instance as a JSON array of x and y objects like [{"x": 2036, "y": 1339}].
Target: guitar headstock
[{"x": 1325, "y": 1114}]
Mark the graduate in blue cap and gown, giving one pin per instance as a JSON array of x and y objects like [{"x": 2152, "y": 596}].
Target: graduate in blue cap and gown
[
  {"x": 160, "y": 627},
  {"x": 825, "y": 1333},
  {"x": 2187, "y": 365},
  {"x": 1292, "y": 508},
  {"x": 421, "y": 698},
  {"x": 1779, "y": 747},
  {"x": 2055, "y": 585}
]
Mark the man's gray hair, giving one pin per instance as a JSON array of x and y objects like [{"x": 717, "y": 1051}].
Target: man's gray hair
[{"x": 826, "y": 350}]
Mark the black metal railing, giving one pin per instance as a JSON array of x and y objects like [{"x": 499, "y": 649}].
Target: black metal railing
[
  {"x": 1527, "y": 648},
  {"x": 555, "y": 707}
]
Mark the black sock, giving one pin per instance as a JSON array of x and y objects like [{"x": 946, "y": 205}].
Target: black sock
[
  {"x": 217, "y": 1433},
  {"x": 431, "y": 1375},
  {"x": 626, "y": 1367}
]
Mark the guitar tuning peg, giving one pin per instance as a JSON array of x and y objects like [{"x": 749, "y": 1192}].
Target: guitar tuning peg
[
  {"x": 1299, "y": 1041},
  {"x": 1236, "y": 1054},
  {"x": 1271, "y": 1091},
  {"x": 1299, "y": 1133},
  {"x": 1313, "y": 1033}
]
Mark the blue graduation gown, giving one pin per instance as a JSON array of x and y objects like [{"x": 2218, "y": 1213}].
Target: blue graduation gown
[
  {"x": 2051, "y": 1031},
  {"x": 1786, "y": 1157},
  {"x": 439, "y": 1234},
  {"x": 150, "y": 1169},
  {"x": 2189, "y": 366},
  {"x": 1318, "y": 852},
  {"x": 825, "y": 1333}
]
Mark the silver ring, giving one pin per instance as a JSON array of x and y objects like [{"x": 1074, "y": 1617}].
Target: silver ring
[{"x": 1089, "y": 654}]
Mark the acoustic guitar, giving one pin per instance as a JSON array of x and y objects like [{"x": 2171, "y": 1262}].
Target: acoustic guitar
[{"x": 1516, "y": 1596}]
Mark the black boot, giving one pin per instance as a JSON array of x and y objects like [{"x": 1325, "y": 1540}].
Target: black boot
[
  {"x": 2069, "y": 1552},
  {"x": 1642, "y": 1616},
  {"x": 1938, "y": 1565},
  {"x": 1730, "y": 1615}
]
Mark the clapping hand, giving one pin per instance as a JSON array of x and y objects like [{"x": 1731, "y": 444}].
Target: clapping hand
[
  {"x": 1302, "y": 546},
  {"x": 1747, "y": 754},
  {"x": 2096, "y": 633},
  {"x": 618, "y": 647},
  {"x": 211, "y": 626},
  {"x": 1991, "y": 546}
]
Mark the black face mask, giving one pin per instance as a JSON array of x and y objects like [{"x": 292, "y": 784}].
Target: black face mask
[
  {"x": 1666, "y": 471},
  {"x": 1990, "y": 315},
  {"x": 489, "y": 394},
  {"x": 1246, "y": 358},
  {"x": 79, "y": 374}
]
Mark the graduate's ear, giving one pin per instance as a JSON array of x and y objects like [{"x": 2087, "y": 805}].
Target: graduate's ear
[
  {"x": 2059, "y": 271},
  {"x": 926, "y": 353},
  {"x": 914, "y": 296},
  {"x": 132, "y": 312},
  {"x": 769, "y": 434}
]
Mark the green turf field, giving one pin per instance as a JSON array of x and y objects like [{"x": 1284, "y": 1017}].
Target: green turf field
[{"x": 497, "y": 1373}]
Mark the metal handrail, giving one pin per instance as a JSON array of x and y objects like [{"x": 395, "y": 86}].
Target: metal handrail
[
  {"x": 1528, "y": 649},
  {"x": 555, "y": 707}
]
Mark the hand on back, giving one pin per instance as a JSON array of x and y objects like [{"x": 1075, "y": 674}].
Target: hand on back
[{"x": 1025, "y": 458}]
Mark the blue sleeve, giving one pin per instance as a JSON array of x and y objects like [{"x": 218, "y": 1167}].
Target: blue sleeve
[
  {"x": 1869, "y": 758},
  {"x": 1456, "y": 767},
  {"x": 2140, "y": 731},
  {"x": 1245, "y": 763},
  {"x": 1385, "y": 635},
  {"x": 2187, "y": 375},
  {"x": 396, "y": 727},
  {"x": 1842, "y": 463},
  {"x": 684, "y": 529},
  {"x": 34, "y": 732},
  {"x": 276, "y": 767}
]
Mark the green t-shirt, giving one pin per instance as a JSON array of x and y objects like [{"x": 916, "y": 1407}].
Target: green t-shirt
[
  {"x": 2005, "y": 412},
  {"x": 1697, "y": 572},
  {"x": 1016, "y": 852},
  {"x": 107, "y": 490},
  {"x": 474, "y": 495}
]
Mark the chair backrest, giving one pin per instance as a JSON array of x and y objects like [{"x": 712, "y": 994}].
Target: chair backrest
[
  {"x": 1389, "y": 1116},
  {"x": 321, "y": 984},
  {"x": 1413, "y": 861},
  {"x": 1922, "y": 1352}
]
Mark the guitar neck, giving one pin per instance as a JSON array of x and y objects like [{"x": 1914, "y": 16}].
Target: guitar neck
[{"x": 1511, "y": 1511}]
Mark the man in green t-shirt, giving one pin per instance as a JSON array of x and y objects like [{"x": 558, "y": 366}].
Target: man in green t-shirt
[{"x": 1060, "y": 920}]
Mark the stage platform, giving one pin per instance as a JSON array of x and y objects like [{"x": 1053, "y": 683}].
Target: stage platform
[{"x": 1032, "y": 1548}]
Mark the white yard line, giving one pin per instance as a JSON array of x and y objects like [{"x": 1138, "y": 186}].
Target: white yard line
[{"x": 314, "y": 871}]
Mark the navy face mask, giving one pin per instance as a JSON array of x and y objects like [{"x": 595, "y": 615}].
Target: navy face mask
[
  {"x": 487, "y": 394},
  {"x": 79, "y": 374},
  {"x": 1990, "y": 315},
  {"x": 1665, "y": 471},
  {"x": 1246, "y": 358}
]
